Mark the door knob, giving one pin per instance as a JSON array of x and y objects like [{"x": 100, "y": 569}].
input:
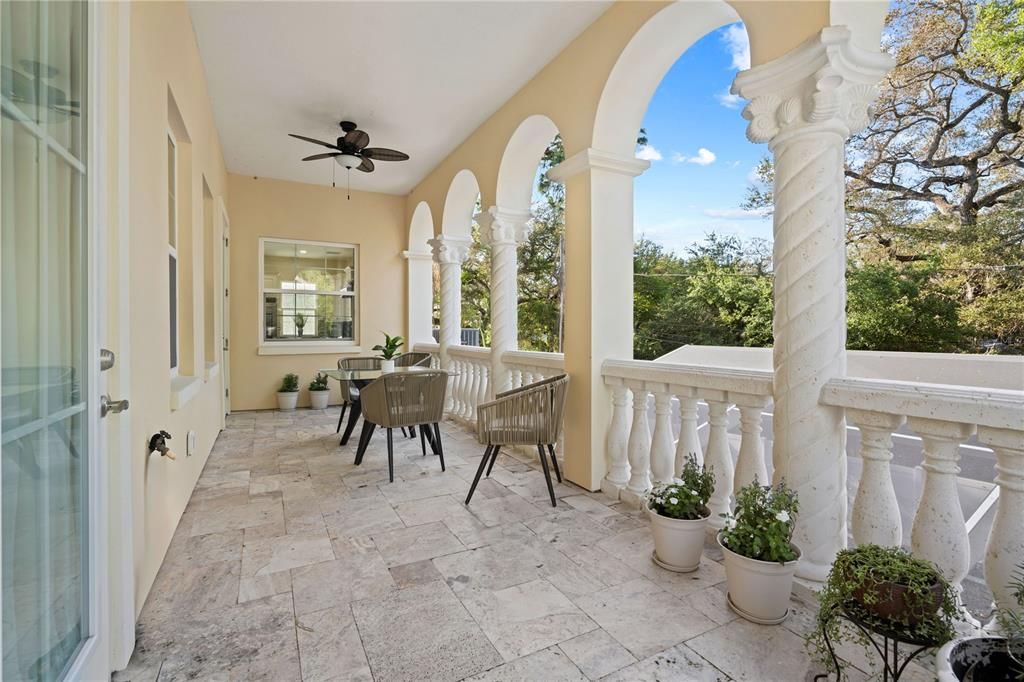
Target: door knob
[{"x": 107, "y": 405}]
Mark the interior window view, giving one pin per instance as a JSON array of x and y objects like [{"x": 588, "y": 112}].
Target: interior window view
[{"x": 501, "y": 341}]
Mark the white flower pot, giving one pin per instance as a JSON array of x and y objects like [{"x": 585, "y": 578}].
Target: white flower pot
[
  {"x": 387, "y": 365},
  {"x": 318, "y": 399},
  {"x": 987, "y": 656},
  {"x": 678, "y": 543},
  {"x": 286, "y": 400},
  {"x": 759, "y": 591}
]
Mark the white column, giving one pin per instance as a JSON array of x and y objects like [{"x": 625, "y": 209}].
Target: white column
[
  {"x": 1005, "y": 550},
  {"x": 503, "y": 230},
  {"x": 450, "y": 252},
  {"x": 750, "y": 463},
  {"x": 418, "y": 299},
  {"x": 689, "y": 440},
  {"x": 876, "y": 511},
  {"x": 719, "y": 458},
  {"x": 639, "y": 447},
  {"x": 663, "y": 463},
  {"x": 617, "y": 443},
  {"x": 805, "y": 104}
]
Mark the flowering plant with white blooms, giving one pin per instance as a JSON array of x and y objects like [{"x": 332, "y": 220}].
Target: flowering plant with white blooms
[
  {"x": 762, "y": 526},
  {"x": 685, "y": 497}
]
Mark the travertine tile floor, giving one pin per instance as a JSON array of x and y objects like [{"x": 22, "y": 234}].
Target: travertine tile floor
[{"x": 291, "y": 563}]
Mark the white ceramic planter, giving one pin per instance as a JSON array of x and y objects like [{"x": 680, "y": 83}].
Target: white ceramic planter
[
  {"x": 387, "y": 365},
  {"x": 318, "y": 399},
  {"x": 286, "y": 400},
  {"x": 678, "y": 543},
  {"x": 759, "y": 591},
  {"x": 955, "y": 658}
]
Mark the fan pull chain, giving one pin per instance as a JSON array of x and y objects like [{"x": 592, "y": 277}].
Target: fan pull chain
[
  {"x": 333, "y": 175},
  {"x": 348, "y": 190}
]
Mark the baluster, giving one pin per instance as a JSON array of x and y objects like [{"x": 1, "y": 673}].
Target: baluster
[
  {"x": 876, "y": 511},
  {"x": 939, "y": 534},
  {"x": 483, "y": 394},
  {"x": 639, "y": 447},
  {"x": 750, "y": 462},
  {"x": 617, "y": 443},
  {"x": 471, "y": 390},
  {"x": 527, "y": 376},
  {"x": 689, "y": 439},
  {"x": 662, "y": 450},
  {"x": 1004, "y": 552},
  {"x": 460, "y": 391},
  {"x": 517, "y": 377},
  {"x": 719, "y": 457}
]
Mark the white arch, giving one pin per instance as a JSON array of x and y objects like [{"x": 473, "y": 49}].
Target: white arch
[
  {"x": 519, "y": 162},
  {"x": 420, "y": 280},
  {"x": 459, "y": 204},
  {"x": 640, "y": 68},
  {"x": 864, "y": 18},
  {"x": 421, "y": 228}
]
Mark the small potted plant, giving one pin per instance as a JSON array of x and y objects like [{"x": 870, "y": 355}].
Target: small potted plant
[
  {"x": 288, "y": 394},
  {"x": 679, "y": 512},
  {"x": 760, "y": 557},
  {"x": 886, "y": 586},
  {"x": 388, "y": 352},
  {"x": 319, "y": 392},
  {"x": 300, "y": 322},
  {"x": 989, "y": 658}
]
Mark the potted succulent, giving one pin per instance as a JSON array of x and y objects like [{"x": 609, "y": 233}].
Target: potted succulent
[
  {"x": 989, "y": 658},
  {"x": 388, "y": 352},
  {"x": 887, "y": 586},
  {"x": 319, "y": 392},
  {"x": 678, "y": 513},
  {"x": 760, "y": 557},
  {"x": 288, "y": 394},
  {"x": 300, "y": 322}
]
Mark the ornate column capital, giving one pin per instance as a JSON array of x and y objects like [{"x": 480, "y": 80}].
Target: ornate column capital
[
  {"x": 449, "y": 249},
  {"x": 502, "y": 226},
  {"x": 825, "y": 84}
]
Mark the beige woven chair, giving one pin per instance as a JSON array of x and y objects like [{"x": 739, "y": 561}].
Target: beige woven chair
[
  {"x": 401, "y": 400},
  {"x": 531, "y": 415},
  {"x": 349, "y": 391},
  {"x": 413, "y": 360}
]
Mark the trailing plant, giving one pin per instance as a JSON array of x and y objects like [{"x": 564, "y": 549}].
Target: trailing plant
[
  {"x": 319, "y": 383},
  {"x": 762, "y": 526},
  {"x": 290, "y": 383},
  {"x": 866, "y": 576},
  {"x": 685, "y": 497},
  {"x": 1011, "y": 623},
  {"x": 390, "y": 348}
]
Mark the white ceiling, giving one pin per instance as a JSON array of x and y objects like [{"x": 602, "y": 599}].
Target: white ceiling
[{"x": 417, "y": 76}]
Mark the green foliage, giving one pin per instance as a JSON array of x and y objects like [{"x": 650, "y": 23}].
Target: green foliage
[
  {"x": 997, "y": 39},
  {"x": 762, "y": 526},
  {"x": 390, "y": 348},
  {"x": 686, "y": 497},
  {"x": 290, "y": 383},
  {"x": 1011, "y": 622},
  {"x": 300, "y": 320},
  {"x": 319, "y": 383},
  {"x": 864, "y": 576}
]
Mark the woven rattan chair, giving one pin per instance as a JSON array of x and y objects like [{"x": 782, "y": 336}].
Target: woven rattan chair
[
  {"x": 349, "y": 391},
  {"x": 401, "y": 400},
  {"x": 531, "y": 415},
  {"x": 413, "y": 360}
]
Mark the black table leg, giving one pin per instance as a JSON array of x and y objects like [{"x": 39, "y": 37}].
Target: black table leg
[{"x": 353, "y": 417}]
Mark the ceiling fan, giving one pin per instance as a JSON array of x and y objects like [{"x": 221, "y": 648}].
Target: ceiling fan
[{"x": 350, "y": 150}]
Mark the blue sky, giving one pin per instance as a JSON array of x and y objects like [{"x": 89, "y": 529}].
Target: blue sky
[{"x": 701, "y": 160}]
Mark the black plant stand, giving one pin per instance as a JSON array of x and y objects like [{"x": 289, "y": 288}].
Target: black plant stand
[{"x": 886, "y": 636}]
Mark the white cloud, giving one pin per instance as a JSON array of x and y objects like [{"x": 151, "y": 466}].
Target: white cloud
[
  {"x": 704, "y": 157},
  {"x": 738, "y": 44},
  {"x": 729, "y": 100},
  {"x": 737, "y": 213},
  {"x": 648, "y": 153}
]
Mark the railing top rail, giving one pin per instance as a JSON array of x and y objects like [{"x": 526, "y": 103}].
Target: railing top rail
[
  {"x": 470, "y": 351},
  {"x": 426, "y": 347},
  {"x": 997, "y": 408},
  {"x": 740, "y": 381},
  {"x": 534, "y": 359}
]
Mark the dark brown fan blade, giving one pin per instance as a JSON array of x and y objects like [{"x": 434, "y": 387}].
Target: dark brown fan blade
[
  {"x": 310, "y": 139},
  {"x": 382, "y": 154},
  {"x": 326, "y": 155},
  {"x": 357, "y": 138},
  {"x": 366, "y": 166}
]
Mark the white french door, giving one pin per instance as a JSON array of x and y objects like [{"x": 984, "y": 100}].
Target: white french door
[{"x": 53, "y": 542}]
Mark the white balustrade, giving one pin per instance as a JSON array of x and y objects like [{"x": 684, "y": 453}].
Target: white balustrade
[
  {"x": 663, "y": 460},
  {"x": 719, "y": 458},
  {"x": 639, "y": 446},
  {"x": 471, "y": 385}
]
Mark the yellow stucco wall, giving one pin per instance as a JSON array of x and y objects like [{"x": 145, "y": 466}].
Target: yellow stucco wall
[{"x": 276, "y": 208}]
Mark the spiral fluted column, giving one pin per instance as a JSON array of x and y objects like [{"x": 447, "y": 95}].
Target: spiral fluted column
[
  {"x": 805, "y": 104},
  {"x": 503, "y": 231},
  {"x": 449, "y": 253}
]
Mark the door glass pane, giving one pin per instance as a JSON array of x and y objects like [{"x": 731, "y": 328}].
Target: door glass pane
[{"x": 43, "y": 447}]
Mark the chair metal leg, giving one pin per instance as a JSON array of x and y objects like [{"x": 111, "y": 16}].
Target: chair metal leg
[
  {"x": 440, "y": 448},
  {"x": 547, "y": 474},
  {"x": 412, "y": 432},
  {"x": 391, "y": 458},
  {"x": 341, "y": 418},
  {"x": 494, "y": 458},
  {"x": 479, "y": 472},
  {"x": 554, "y": 461},
  {"x": 423, "y": 441},
  {"x": 364, "y": 440}
]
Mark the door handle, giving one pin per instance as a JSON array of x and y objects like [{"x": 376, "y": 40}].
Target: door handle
[{"x": 108, "y": 406}]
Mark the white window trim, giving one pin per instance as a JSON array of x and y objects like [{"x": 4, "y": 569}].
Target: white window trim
[
  {"x": 311, "y": 347},
  {"x": 172, "y": 250}
]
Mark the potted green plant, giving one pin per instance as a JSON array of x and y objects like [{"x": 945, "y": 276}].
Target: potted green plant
[
  {"x": 300, "y": 322},
  {"x": 760, "y": 557},
  {"x": 678, "y": 513},
  {"x": 388, "y": 352},
  {"x": 288, "y": 394},
  {"x": 989, "y": 658},
  {"x": 319, "y": 392},
  {"x": 887, "y": 586}
]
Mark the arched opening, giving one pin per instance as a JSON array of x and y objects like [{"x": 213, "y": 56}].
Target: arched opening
[
  {"x": 459, "y": 228},
  {"x": 420, "y": 280}
]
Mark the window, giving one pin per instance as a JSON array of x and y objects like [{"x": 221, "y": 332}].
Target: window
[
  {"x": 309, "y": 292},
  {"x": 172, "y": 242}
]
